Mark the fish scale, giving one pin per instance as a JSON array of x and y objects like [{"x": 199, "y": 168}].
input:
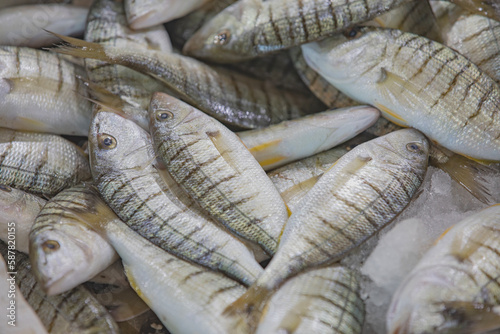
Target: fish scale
[
  {"x": 75, "y": 311},
  {"x": 252, "y": 28},
  {"x": 40, "y": 163},
  {"x": 135, "y": 190}
]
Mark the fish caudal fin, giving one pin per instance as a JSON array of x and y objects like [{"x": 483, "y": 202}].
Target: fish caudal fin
[
  {"x": 80, "y": 48},
  {"x": 250, "y": 305}
]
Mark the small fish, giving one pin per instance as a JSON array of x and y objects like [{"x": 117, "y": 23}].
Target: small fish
[
  {"x": 122, "y": 158},
  {"x": 65, "y": 249},
  {"x": 415, "y": 82},
  {"x": 325, "y": 300},
  {"x": 40, "y": 163},
  {"x": 19, "y": 210},
  {"x": 295, "y": 179},
  {"x": 119, "y": 85},
  {"x": 232, "y": 98},
  {"x": 212, "y": 164},
  {"x": 358, "y": 196},
  {"x": 252, "y": 28},
  {"x": 454, "y": 288},
  {"x": 39, "y": 92},
  {"x": 187, "y": 298},
  {"x": 25, "y": 25},
  {"x": 73, "y": 312},
  {"x": 282, "y": 143},
  {"x": 147, "y": 13}
]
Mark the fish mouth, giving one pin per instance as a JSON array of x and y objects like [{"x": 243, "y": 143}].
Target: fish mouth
[{"x": 54, "y": 287}]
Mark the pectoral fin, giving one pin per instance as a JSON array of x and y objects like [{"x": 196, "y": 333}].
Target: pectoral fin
[
  {"x": 224, "y": 149},
  {"x": 473, "y": 318}
]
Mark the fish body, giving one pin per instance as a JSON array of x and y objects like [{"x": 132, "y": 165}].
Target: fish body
[
  {"x": 65, "y": 249},
  {"x": 454, "y": 288},
  {"x": 325, "y": 300},
  {"x": 187, "y": 298},
  {"x": 416, "y": 82},
  {"x": 211, "y": 163},
  {"x": 230, "y": 97},
  {"x": 282, "y": 143},
  {"x": 39, "y": 92},
  {"x": 251, "y": 28},
  {"x": 25, "y": 25},
  {"x": 107, "y": 25},
  {"x": 19, "y": 210},
  {"x": 73, "y": 312},
  {"x": 360, "y": 194},
  {"x": 40, "y": 163},
  {"x": 122, "y": 159}
]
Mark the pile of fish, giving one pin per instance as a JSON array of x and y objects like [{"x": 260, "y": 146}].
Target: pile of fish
[{"x": 216, "y": 182}]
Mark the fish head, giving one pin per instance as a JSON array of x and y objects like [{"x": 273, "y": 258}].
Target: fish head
[
  {"x": 223, "y": 38},
  {"x": 166, "y": 112},
  {"x": 348, "y": 57},
  {"x": 117, "y": 143},
  {"x": 60, "y": 258},
  {"x": 406, "y": 147}
]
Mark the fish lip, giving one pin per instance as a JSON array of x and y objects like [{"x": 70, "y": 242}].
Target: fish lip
[{"x": 52, "y": 287}]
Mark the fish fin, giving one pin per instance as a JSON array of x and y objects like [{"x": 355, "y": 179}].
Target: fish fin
[
  {"x": 249, "y": 306},
  {"x": 391, "y": 115},
  {"x": 270, "y": 163},
  {"x": 265, "y": 146},
  {"x": 125, "y": 305},
  {"x": 101, "y": 94},
  {"x": 288, "y": 211},
  {"x": 472, "y": 317},
  {"x": 133, "y": 284},
  {"x": 299, "y": 189},
  {"x": 481, "y": 161},
  {"x": 468, "y": 174},
  {"x": 443, "y": 234},
  {"x": 30, "y": 123},
  {"x": 80, "y": 48},
  {"x": 224, "y": 149}
]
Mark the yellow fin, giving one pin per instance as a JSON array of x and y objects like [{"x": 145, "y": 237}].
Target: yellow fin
[
  {"x": 30, "y": 123},
  {"x": 271, "y": 161},
  {"x": 299, "y": 189},
  {"x": 443, "y": 234},
  {"x": 481, "y": 161},
  {"x": 288, "y": 211},
  {"x": 467, "y": 173},
  {"x": 250, "y": 305},
  {"x": 264, "y": 146},
  {"x": 391, "y": 115},
  {"x": 134, "y": 285}
]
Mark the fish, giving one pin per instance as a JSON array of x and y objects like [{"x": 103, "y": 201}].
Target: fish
[
  {"x": 441, "y": 93},
  {"x": 40, "y": 163},
  {"x": 39, "y": 92},
  {"x": 232, "y": 98},
  {"x": 252, "y": 28},
  {"x": 454, "y": 287},
  {"x": 358, "y": 196},
  {"x": 144, "y": 14},
  {"x": 19, "y": 210},
  {"x": 186, "y": 297},
  {"x": 212, "y": 164},
  {"x": 294, "y": 180},
  {"x": 65, "y": 249},
  {"x": 129, "y": 90},
  {"x": 122, "y": 157},
  {"x": 325, "y": 300},
  {"x": 25, "y": 25},
  {"x": 31, "y": 322},
  {"x": 73, "y": 312},
  {"x": 488, "y": 8},
  {"x": 288, "y": 141},
  {"x": 11, "y": 3}
]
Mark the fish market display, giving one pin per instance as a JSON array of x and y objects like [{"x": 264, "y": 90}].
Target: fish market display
[
  {"x": 18, "y": 212},
  {"x": 25, "y": 25},
  {"x": 122, "y": 157},
  {"x": 230, "y": 97},
  {"x": 280, "y": 144},
  {"x": 146, "y": 13},
  {"x": 324, "y": 300},
  {"x": 454, "y": 287},
  {"x": 441, "y": 93},
  {"x": 39, "y": 92},
  {"x": 73, "y": 312},
  {"x": 40, "y": 163},
  {"x": 358, "y": 196},
  {"x": 212, "y": 164},
  {"x": 107, "y": 25},
  {"x": 251, "y": 28},
  {"x": 65, "y": 249}
]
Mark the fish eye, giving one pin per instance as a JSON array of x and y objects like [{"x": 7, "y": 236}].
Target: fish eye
[
  {"x": 50, "y": 246},
  {"x": 164, "y": 115},
  {"x": 5, "y": 188},
  {"x": 106, "y": 141},
  {"x": 414, "y": 147},
  {"x": 352, "y": 33},
  {"x": 222, "y": 37}
]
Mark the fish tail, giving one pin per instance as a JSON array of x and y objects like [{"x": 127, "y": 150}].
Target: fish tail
[
  {"x": 80, "y": 48},
  {"x": 250, "y": 305}
]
